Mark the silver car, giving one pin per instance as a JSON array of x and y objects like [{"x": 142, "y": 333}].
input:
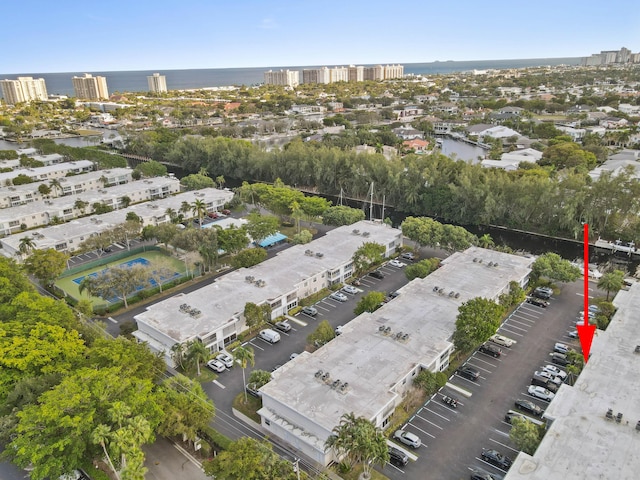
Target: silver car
[{"x": 340, "y": 297}]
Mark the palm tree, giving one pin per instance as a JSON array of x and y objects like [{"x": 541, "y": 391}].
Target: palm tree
[
  {"x": 178, "y": 353},
  {"x": 185, "y": 207},
  {"x": 172, "y": 214},
  {"x": 81, "y": 205},
  {"x": 26, "y": 245},
  {"x": 196, "y": 353},
  {"x": 199, "y": 209},
  {"x": 244, "y": 355},
  {"x": 220, "y": 181},
  {"x": 611, "y": 282},
  {"x": 485, "y": 241},
  {"x": 102, "y": 436},
  {"x": 55, "y": 185}
]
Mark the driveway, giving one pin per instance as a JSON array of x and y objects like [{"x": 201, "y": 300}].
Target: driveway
[{"x": 166, "y": 462}]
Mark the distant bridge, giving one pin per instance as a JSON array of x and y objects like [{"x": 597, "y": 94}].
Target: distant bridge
[{"x": 138, "y": 159}]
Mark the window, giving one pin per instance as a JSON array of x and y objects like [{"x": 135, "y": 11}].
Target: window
[{"x": 267, "y": 422}]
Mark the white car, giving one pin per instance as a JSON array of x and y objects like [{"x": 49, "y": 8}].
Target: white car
[
  {"x": 541, "y": 393},
  {"x": 338, "y": 330},
  {"x": 340, "y": 297},
  {"x": 502, "y": 340},
  {"x": 552, "y": 369},
  {"x": 549, "y": 376},
  {"x": 397, "y": 263},
  {"x": 408, "y": 438},
  {"x": 226, "y": 359},
  {"x": 216, "y": 365},
  {"x": 350, "y": 289}
]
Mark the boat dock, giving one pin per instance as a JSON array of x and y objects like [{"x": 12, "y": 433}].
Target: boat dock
[{"x": 628, "y": 248}]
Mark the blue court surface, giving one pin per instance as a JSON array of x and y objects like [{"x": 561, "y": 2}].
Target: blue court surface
[{"x": 130, "y": 263}]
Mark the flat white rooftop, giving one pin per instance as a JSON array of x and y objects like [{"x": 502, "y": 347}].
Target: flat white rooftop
[
  {"x": 582, "y": 443},
  {"x": 37, "y": 172},
  {"x": 220, "y": 301},
  {"x": 373, "y": 362}
]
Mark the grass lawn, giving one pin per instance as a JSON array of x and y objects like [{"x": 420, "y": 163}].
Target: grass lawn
[
  {"x": 357, "y": 470},
  {"x": 71, "y": 288},
  {"x": 250, "y": 408}
]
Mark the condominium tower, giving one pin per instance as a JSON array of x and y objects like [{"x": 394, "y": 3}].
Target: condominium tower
[
  {"x": 24, "y": 89},
  {"x": 90, "y": 88},
  {"x": 289, "y": 78},
  {"x": 157, "y": 83}
]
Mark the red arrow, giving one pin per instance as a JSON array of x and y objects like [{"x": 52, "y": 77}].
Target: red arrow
[{"x": 586, "y": 331}]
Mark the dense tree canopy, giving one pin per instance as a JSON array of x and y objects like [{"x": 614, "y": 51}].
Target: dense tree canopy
[{"x": 477, "y": 320}]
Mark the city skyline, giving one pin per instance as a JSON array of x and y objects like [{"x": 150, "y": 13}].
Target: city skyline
[{"x": 250, "y": 33}]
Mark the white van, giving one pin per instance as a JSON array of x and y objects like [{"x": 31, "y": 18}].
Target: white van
[{"x": 269, "y": 335}]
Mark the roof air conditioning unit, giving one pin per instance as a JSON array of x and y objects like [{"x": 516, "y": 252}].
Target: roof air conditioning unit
[
  {"x": 475, "y": 260},
  {"x": 365, "y": 234},
  {"x": 319, "y": 254},
  {"x": 335, "y": 384},
  {"x": 435, "y": 289},
  {"x": 381, "y": 329},
  {"x": 356, "y": 231},
  {"x": 457, "y": 295},
  {"x": 452, "y": 293},
  {"x": 495, "y": 264},
  {"x": 326, "y": 376},
  {"x": 491, "y": 264},
  {"x": 319, "y": 374}
]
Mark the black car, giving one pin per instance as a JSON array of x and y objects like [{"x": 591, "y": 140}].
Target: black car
[
  {"x": 559, "y": 359},
  {"x": 478, "y": 474},
  {"x": 496, "y": 458},
  {"x": 489, "y": 349},
  {"x": 510, "y": 415},
  {"x": 529, "y": 407},
  {"x": 377, "y": 274},
  {"x": 397, "y": 457},
  {"x": 543, "y": 293},
  {"x": 252, "y": 389},
  {"x": 538, "y": 302},
  {"x": 468, "y": 372}
]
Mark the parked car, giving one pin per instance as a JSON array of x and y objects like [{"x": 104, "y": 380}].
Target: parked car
[
  {"x": 552, "y": 369},
  {"x": 468, "y": 372},
  {"x": 541, "y": 393},
  {"x": 549, "y": 376},
  {"x": 543, "y": 293},
  {"x": 478, "y": 474},
  {"x": 293, "y": 355},
  {"x": 496, "y": 458},
  {"x": 283, "y": 326},
  {"x": 511, "y": 414},
  {"x": 490, "y": 349},
  {"x": 408, "y": 438},
  {"x": 252, "y": 389},
  {"x": 226, "y": 211},
  {"x": 559, "y": 359},
  {"x": 573, "y": 334},
  {"x": 594, "y": 308},
  {"x": 544, "y": 383},
  {"x": 397, "y": 263},
  {"x": 408, "y": 256},
  {"x": 377, "y": 274},
  {"x": 311, "y": 311},
  {"x": 340, "y": 297},
  {"x": 216, "y": 365},
  {"x": 397, "y": 457},
  {"x": 538, "y": 302},
  {"x": 338, "y": 330},
  {"x": 269, "y": 335},
  {"x": 350, "y": 289},
  {"x": 562, "y": 348},
  {"x": 225, "y": 358},
  {"x": 528, "y": 406},
  {"x": 502, "y": 340}
]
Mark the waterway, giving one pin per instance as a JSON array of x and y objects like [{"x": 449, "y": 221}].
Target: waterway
[{"x": 462, "y": 150}]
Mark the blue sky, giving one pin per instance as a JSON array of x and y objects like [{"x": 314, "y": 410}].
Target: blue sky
[{"x": 81, "y": 35}]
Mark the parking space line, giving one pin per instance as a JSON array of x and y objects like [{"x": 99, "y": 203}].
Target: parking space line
[
  {"x": 478, "y": 367},
  {"x": 520, "y": 322},
  {"x": 256, "y": 346},
  {"x": 430, "y": 422},
  {"x": 510, "y": 332},
  {"x": 505, "y": 446},
  {"x": 522, "y": 318},
  {"x": 216, "y": 382},
  {"x": 466, "y": 379},
  {"x": 491, "y": 465},
  {"x": 519, "y": 328},
  {"x": 435, "y": 413},
  {"x": 500, "y": 432},
  {"x": 422, "y": 431},
  {"x": 537, "y": 313},
  {"x": 477, "y": 357}
]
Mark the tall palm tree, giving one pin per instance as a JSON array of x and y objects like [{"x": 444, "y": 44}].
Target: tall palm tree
[
  {"x": 244, "y": 355},
  {"x": 26, "y": 245},
  {"x": 102, "y": 436},
  {"x": 220, "y": 181},
  {"x": 55, "y": 185},
  {"x": 199, "y": 209},
  {"x": 178, "y": 353},
  {"x": 485, "y": 241},
  {"x": 197, "y": 353},
  {"x": 611, "y": 282}
]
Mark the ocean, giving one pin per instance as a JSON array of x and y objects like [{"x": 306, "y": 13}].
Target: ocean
[{"x": 136, "y": 81}]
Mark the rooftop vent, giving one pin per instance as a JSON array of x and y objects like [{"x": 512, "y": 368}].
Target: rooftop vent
[
  {"x": 457, "y": 295},
  {"x": 355, "y": 231},
  {"x": 249, "y": 278},
  {"x": 441, "y": 291},
  {"x": 435, "y": 289},
  {"x": 335, "y": 384},
  {"x": 637, "y": 350},
  {"x": 319, "y": 254},
  {"x": 381, "y": 328},
  {"x": 345, "y": 386},
  {"x": 475, "y": 260},
  {"x": 365, "y": 234},
  {"x": 490, "y": 264},
  {"x": 452, "y": 293},
  {"x": 260, "y": 283},
  {"x": 308, "y": 252},
  {"x": 319, "y": 373},
  {"x": 326, "y": 376}
]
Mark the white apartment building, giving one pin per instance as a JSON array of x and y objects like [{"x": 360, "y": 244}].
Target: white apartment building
[
  {"x": 68, "y": 236},
  {"x": 49, "y": 172},
  {"x": 338, "y": 74},
  {"x": 13, "y": 196},
  {"x": 368, "y": 368},
  {"x": 214, "y": 313},
  {"x": 24, "y": 89},
  {"x": 39, "y": 213},
  {"x": 356, "y": 73},
  {"x": 90, "y": 88},
  {"x": 157, "y": 83},
  {"x": 393, "y": 71},
  {"x": 290, "y": 78}
]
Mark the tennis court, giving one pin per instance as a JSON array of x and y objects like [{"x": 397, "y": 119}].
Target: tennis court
[{"x": 70, "y": 285}]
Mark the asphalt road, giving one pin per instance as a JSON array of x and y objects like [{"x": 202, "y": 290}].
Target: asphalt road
[{"x": 453, "y": 439}]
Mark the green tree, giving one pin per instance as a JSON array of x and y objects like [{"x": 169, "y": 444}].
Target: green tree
[
  {"x": 197, "y": 181},
  {"x": 302, "y": 238},
  {"x": 360, "y": 442},
  {"x": 187, "y": 408},
  {"x": 430, "y": 381},
  {"x": 477, "y": 320},
  {"x": 249, "y": 257},
  {"x": 611, "y": 282},
  {"x": 54, "y": 184},
  {"x": 485, "y": 241},
  {"x": 260, "y": 226},
  {"x": 422, "y": 268},
  {"x": 81, "y": 205},
  {"x": 554, "y": 267},
  {"x": 248, "y": 458},
  {"x": 258, "y": 378},
  {"x": 368, "y": 255},
  {"x": 253, "y": 315},
  {"x": 179, "y": 354},
  {"x": 369, "y": 302},
  {"x": 244, "y": 356},
  {"x": 44, "y": 189},
  {"x": 199, "y": 209},
  {"x": 422, "y": 230},
  {"x": 46, "y": 265},
  {"x": 196, "y": 354},
  {"x": 118, "y": 282},
  {"x": 232, "y": 239},
  {"x": 151, "y": 169},
  {"x": 525, "y": 435},
  {"x": 26, "y": 245},
  {"x": 342, "y": 215},
  {"x": 323, "y": 333}
]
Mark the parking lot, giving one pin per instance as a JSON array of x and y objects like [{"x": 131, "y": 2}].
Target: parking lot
[{"x": 453, "y": 438}]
